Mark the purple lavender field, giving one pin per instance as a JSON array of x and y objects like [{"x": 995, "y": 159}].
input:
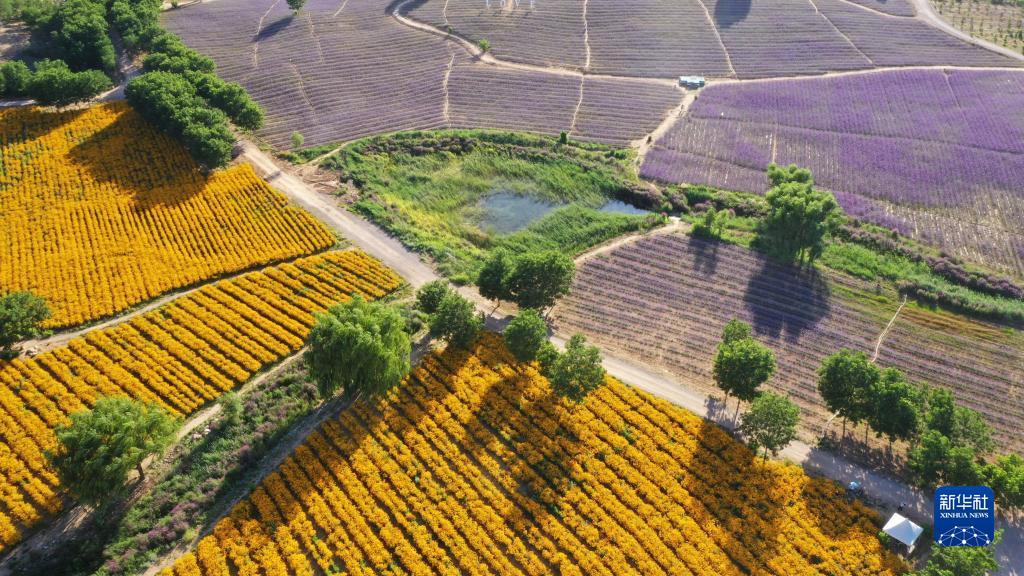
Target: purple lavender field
[
  {"x": 715, "y": 38},
  {"x": 931, "y": 152},
  {"x": 338, "y": 73}
]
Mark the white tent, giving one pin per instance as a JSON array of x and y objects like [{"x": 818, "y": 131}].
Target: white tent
[{"x": 904, "y": 530}]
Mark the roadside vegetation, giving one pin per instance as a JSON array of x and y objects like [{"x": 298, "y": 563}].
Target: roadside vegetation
[{"x": 459, "y": 196}]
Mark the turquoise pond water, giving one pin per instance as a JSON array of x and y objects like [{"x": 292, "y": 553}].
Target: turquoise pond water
[{"x": 507, "y": 212}]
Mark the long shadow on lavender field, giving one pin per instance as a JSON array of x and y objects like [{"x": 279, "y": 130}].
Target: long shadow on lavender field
[{"x": 784, "y": 299}]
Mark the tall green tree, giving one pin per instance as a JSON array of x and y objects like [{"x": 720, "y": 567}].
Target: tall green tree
[
  {"x": 895, "y": 411},
  {"x": 98, "y": 447},
  {"x": 525, "y": 334},
  {"x": 962, "y": 560},
  {"x": 736, "y": 329},
  {"x": 930, "y": 458},
  {"x": 771, "y": 423},
  {"x": 1006, "y": 478},
  {"x": 577, "y": 371},
  {"x": 456, "y": 321},
  {"x": 296, "y": 5},
  {"x": 359, "y": 347},
  {"x": 538, "y": 279},
  {"x": 799, "y": 218},
  {"x": 429, "y": 296},
  {"x": 82, "y": 33},
  {"x": 846, "y": 380},
  {"x": 53, "y": 83},
  {"x": 963, "y": 426},
  {"x": 21, "y": 314},
  {"x": 741, "y": 367},
  {"x": 492, "y": 281}
]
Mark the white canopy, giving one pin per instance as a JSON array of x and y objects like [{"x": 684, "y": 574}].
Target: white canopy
[{"x": 903, "y": 530}]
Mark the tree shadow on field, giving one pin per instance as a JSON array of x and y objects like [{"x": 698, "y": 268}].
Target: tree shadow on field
[
  {"x": 407, "y": 7},
  {"x": 275, "y": 27},
  {"x": 729, "y": 12},
  {"x": 705, "y": 254},
  {"x": 113, "y": 155},
  {"x": 785, "y": 300}
]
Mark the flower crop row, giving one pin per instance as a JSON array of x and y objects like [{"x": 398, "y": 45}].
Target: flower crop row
[
  {"x": 102, "y": 212},
  {"x": 473, "y": 466},
  {"x": 179, "y": 356}
]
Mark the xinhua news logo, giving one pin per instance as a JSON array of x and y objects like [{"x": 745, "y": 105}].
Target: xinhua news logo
[{"x": 964, "y": 516}]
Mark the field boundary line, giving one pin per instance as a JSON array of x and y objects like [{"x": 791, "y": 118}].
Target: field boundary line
[
  {"x": 579, "y": 102},
  {"x": 711, "y": 22},
  {"x": 316, "y": 37},
  {"x": 840, "y": 32},
  {"x": 256, "y": 36},
  {"x": 446, "y": 106},
  {"x": 340, "y": 8},
  {"x": 885, "y": 331},
  {"x": 586, "y": 37}
]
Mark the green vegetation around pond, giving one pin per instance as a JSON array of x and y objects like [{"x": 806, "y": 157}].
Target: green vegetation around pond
[{"x": 457, "y": 195}]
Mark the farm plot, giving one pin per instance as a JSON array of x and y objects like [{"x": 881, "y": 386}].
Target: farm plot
[
  {"x": 998, "y": 22},
  {"x": 890, "y": 41},
  {"x": 665, "y": 299},
  {"x": 548, "y": 33},
  {"x": 101, "y": 212},
  {"x": 179, "y": 357},
  {"x": 931, "y": 152},
  {"x": 609, "y": 110},
  {"x": 891, "y": 7},
  {"x": 472, "y": 466},
  {"x": 660, "y": 38},
  {"x": 334, "y": 72}
]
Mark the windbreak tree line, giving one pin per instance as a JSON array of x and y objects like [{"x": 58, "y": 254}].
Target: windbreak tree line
[{"x": 186, "y": 99}]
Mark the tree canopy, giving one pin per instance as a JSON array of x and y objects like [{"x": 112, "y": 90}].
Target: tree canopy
[
  {"x": 799, "y": 218},
  {"x": 577, "y": 371},
  {"x": 53, "y": 83},
  {"x": 525, "y": 335},
  {"x": 846, "y": 380},
  {"x": 429, "y": 296},
  {"x": 492, "y": 281},
  {"x": 895, "y": 407},
  {"x": 962, "y": 560},
  {"x": 537, "y": 279},
  {"x": 98, "y": 447},
  {"x": 455, "y": 320},
  {"x": 296, "y": 5},
  {"x": 771, "y": 423},
  {"x": 21, "y": 313},
  {"x": 359, "y": 347},
  {"x": 741, "y": 364}
]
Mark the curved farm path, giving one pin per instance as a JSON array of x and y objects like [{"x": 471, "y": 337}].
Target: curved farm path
[
  {"x": 882, "y": 490},
  {"x": 928, "y": 14}
]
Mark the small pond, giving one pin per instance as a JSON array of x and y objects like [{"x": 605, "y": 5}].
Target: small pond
[{"x": 505, "y": 212}]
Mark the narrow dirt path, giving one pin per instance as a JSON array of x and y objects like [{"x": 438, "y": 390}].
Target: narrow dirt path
[
  {"x": 644, "y": 144},
  {"x": 885, "y": 331}
]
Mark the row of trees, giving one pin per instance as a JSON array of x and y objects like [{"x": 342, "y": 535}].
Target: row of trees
[
  {"x": 51, "y": 83},
  {"x": 530, "y": 279}
]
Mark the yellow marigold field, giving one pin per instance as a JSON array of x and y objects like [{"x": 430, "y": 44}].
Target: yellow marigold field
[
  {"x": 472, "y": 466},
  {"x": 179, "y": 356},
  {"x": 101, "y": 212}
]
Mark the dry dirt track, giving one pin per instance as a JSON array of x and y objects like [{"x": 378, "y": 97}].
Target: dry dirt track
[{"x": 880, "y": 488}]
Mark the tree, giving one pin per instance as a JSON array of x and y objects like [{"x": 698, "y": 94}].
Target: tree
[
  {"x": 537, "y": 279},
  {"x": 485, "y": 45},
  {"x": 525, "y": 335},
  {"x": 82, "y": 33},
  {"x": 929, "y": 460},
  {"x": 456, "y": 321},
  {"x": 97, "y": 449},
  {"x": 230, "y": 98},
  {"x": 577, "y": 371},
  {"x": 492, "y": 281},
  {"x": 297, "y": 140},
  {"x": 429, "y": 296},
  {"x": 845, "y": 381},
  {"x": 771, "y": 422},
  {"x": 895, "y": 407},
  {"x": 962, "y": 560},
  {"x": 53, "y": 83},
  {"x": 358, "y": 347},
  {"x": 799, "y": 217},
  {"x": 21, "y": 313},
  {"x": 1006, "y": 478},
  {"x": 963, "y": 426},
  {"x": 734, "y": 330},
  {"x": 16, "y": 78},
  {"x": 296, "y": 5},
  {"x": 741, "y": 366}
]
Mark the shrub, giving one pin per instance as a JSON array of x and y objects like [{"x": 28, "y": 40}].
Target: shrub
[
  {"x": 16, "y": 78},
  {"x": 82, "y": 33},
  {"x": 54, "y": 83},
  {"x": 525, "y": 335}
]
